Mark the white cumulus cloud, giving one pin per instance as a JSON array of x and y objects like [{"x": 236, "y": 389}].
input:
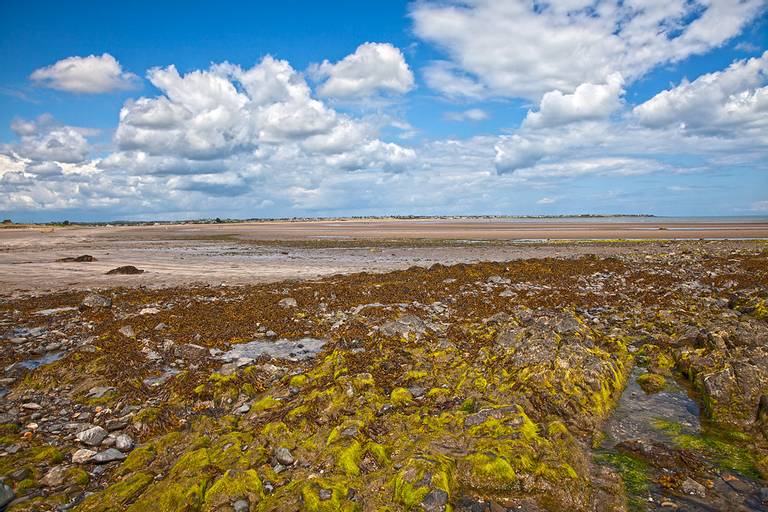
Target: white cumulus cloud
[
  {"x": 88, "y": 75},
  {"x": 373, "y": 68},
  {"x": 587, "y": 102},
  {"x": 519, "y": 48},
  {"x": 727, "y": 102}
]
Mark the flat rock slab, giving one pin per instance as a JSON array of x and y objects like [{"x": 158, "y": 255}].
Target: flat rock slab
[{"x": 304, "y": 348}]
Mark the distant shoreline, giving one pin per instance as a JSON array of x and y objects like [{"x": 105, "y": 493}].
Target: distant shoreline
[{"x": 218, "y": 220}]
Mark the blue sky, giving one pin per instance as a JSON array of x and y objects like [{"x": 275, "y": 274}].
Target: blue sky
[{"x": 374, "y": 108}]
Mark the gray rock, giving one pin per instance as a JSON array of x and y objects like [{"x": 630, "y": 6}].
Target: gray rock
[
  {"x": 21, "y": 474},
  {"x": 54, "y": 477},
  {"x": 693, "y": 488},
  {"x": 435, "y": 501},
  {"x": 6, "y": 495},
  {"x": 191, "y": 351},
  {"x": 288, "y": 302},
  {"x": 241, "y": 506},
  {"x": 127, "y": 331},
  {"x": 92, "y": 436},
  {"x": 497, "y": 280},
  {"x": 116, "y": 424},
  {"x": 403, "y": 326},
  {"x": 243, "y": 409},
  {"x": 99, "y": 391},
  {"x": 108, "y": 456},
  {"x": 284, "y": 456},
  {"x": 325, "y": 494},
  {"x": 82, "y": 456},
  {"x": 7, "y": 417},
  {"x": 417, "y": 391},
  {"x": 124, "y": 443},
  {"x": 94, "y": 300}
]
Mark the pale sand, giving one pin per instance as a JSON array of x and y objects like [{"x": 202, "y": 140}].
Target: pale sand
[{"x": 175, "y": 255}]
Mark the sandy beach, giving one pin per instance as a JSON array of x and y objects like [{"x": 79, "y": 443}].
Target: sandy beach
[{"x": 251, "y": 252}]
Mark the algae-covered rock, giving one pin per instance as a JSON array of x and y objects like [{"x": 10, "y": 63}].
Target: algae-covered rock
[{"x": 652, "y": 382}]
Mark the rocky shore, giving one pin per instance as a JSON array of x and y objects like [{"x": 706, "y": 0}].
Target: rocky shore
[{"x": 633, "y": 382}]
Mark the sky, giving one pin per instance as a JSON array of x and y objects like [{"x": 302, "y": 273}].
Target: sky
[{"x": 179, "y": 110}]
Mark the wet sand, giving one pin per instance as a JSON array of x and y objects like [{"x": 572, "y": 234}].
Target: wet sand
[{"x": 183, "y": 254}]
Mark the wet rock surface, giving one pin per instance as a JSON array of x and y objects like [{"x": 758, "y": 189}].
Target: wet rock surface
[{"x": 638, "y": 382}]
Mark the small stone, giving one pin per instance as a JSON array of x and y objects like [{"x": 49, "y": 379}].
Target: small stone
[
  {"x": 127, "y": 331},
  {"x": 288, "y": 302},
  {"x": 764, "y": 494},
  {"x": 435, "y": 501},
  {"x": 21, "y": 474},
  {"x": 417, "y": 392},
  {"x": 6, "y": 496},
  {"x": 108, "y": 456},
  {"x": 82, "y": 456},
  {"x": 243, "y": 409},
  {"x": 54, "y": 477},
  {"x": 99, "y": 391},
  {"x": 284, "y": 456},
  {"x": 693, "y": 488},
  {"x": 92, "y": 436},
  {"x": 116, "y": 424},
  {"x": 241, "y": 506},
  {"x": 31, "y": 406},
  {"x": 325, "y": 494},
  {"x": 149, "y": 311},
  {"x": 124, "y": 443},
  {"x": 95, "y": 301}
]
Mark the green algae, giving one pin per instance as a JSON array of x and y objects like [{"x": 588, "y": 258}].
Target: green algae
[
  {"x": 729, "y": 449},
  {"x": 635, "y": 474},
  {"x": 652, "y": 382},
  {"x": 234, "y": 485}
]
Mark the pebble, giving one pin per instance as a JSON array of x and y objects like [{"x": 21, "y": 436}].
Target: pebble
[
  {"x": 92, "y": 436},
  {"x": 94, "y": 300},
  {"x": 54, "y": 477},
  {"x": 241, "y": 506},
  {"x": 284, "y": 456},
  {"x": 124, "y": 443},
  {"x": 693, "y": 488},
  {"x": 108, "y": 455},
  {"x": 82, "y": 456},
  {"x": 127, "y": 331}
]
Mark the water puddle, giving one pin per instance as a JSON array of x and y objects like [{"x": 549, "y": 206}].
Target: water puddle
[
  {"x": 55, "y": 311},
  {"x": 161, "y": 379},
  {"x": 671, "y": 459},
  {"x": 292, "y": 350},
  {"x": 31, "y": 364}
]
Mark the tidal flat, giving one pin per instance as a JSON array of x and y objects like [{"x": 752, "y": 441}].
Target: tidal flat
[{"x": 615, "y": 376}]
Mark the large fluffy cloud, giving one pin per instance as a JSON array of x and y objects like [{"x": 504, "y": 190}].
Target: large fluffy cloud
[
  {"x": 728, "y": 102},
  {"x": 373, "y": 68},
  {"x": 92, "y": 74},
  {"x": 588, "y": 101},
  {"x": 524, "y": 49},
  {"x": 44, "y": 140},
  {"x": 227, "y": 110}
]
